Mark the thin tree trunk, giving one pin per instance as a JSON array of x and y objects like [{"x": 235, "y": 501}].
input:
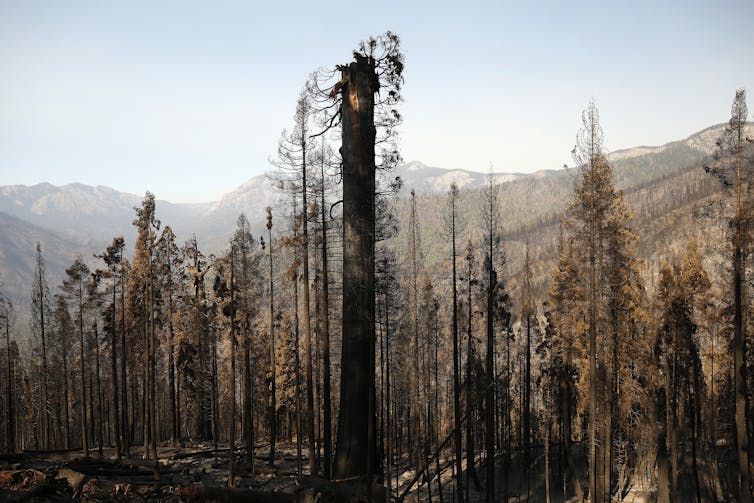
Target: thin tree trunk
[
  {"x": 470, "y": 470},
  {"x": 113, "y": 379},
  {"x": 490, "y": 370},
  {"x": 663, "y": 478},
  {"x": 594, "y": 495},
  {"x": 10, "y": 433},
  {"x": 273, "y": 401},
  {"x": 153, "y": 363},
  {"x": 125, "y": 429},
  {"x": 739, "y": 343},
  {"x": 387, "y": 398},
  {"x": 296, "y": 320},
  {"x": 526, "y": 432},
  {"x": 232, "y": 447},
  {"x": 307, "y": 317},
  {"x": 672, "y": 394},
  {"x": 44, "y": 396},
  {"x": 146, "y": 422},
  {"x": 547, "y": 463},
  {"x": 248, "y": 393},
  {"x": 215, "y": 394},
  {"x": 415, "y": 313},
  {"x": 66, "y": 398},
  {"x": 100, "y": 433},
  {"x": 456, "y": 359},
  {"x": 327, "y": 416},
  {"x": 172, "y": 398},
  {"x": 84, "y": 430},
  {"x": 694, "y": 434}
]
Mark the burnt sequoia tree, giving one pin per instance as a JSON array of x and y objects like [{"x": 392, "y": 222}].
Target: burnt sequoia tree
[{"x": 378, "y": 63}]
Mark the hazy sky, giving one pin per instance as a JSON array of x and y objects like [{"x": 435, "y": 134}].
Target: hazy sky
[{"x": 187, "y": 99}]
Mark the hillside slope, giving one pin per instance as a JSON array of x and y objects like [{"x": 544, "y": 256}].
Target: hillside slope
[{"x": 664, "y": 186}]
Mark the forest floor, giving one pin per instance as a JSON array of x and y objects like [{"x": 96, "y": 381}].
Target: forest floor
[
  {"x": 193, "y": 472},
  {"x": 520, "y": 485},
  {"x": 196, "y": 472}
]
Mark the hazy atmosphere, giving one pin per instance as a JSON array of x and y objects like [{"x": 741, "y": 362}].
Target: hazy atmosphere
[
  {"x": 154, "y": 96},
  {"x": 392, "y": 252}
]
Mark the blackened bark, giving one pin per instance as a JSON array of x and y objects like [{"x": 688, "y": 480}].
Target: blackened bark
[
  {"x": 489, "y": 400},
  {"x": 663, "y": 465},
  {"x": 742, "y": 438},
  {"x": 10, "y": 421},
  {"x": 231, "y": 450},
  {"x": 307, "y": 319},
  {"x": 273, "y": 397},
  {"x": 356, "y": 442},
  {"x": 113, "y": 376},
  {"x": 327, "y": 417},
  {"x": 82, "y": 359},
  {"x": 100, "y": 433},
  {"x": 298, "y": 345},
  {"x": 456, "y": 360}
]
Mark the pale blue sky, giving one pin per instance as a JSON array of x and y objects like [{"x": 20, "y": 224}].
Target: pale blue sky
[{"x": 188, "y": 99}]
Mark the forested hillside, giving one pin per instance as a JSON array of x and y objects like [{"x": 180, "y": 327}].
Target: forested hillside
[{"x": 353, "y": 328}]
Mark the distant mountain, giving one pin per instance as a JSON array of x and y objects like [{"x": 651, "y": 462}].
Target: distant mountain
[
  {"x": 429, "y": 180},
  {"x": 83, "y": 213},
  {"x": 93, "y": 215},
  {"x": 216, "y": 224},
  {"x": 78, "y": 218},
  {"x": 18, "y": 255}
]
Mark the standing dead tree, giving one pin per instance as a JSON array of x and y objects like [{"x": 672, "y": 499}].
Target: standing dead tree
[
  {"x": 730, "y": 167},
  {"x": 364, "y": 103}
]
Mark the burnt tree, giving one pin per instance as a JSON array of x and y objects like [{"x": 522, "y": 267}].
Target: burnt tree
[{"x": 356, "y": 448}]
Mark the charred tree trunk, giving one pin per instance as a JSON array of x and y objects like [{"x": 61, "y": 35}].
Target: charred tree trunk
[
  {"x": 594, "y": 494},
  {"x": 248, "y": 419},
  {"x": 273, "y": 398},
  {"x": 739, "y": 343},
  {"x": 356, "y": 444},
  {"x": 100, "y": 421},
  {"x": 470, "y": 470},
  {"x": 307, "y": 318},
  {"x": 663, "y": 465},
  {"x": 84, "y": 429},
  {"x": 415, "y": 408},
  {"x": 386, "y": 357},
  {"x": 113, "y": 379},
  {"x": 126, "y": 431},
  {"x": 44, "y": 394},
  {"x": 489, "y": 401},
  {"x": 456, "y": 358},
  {"x": 232, "y": 447},
  {"x": 172, "y": 398},
  {"x": 526, "y": 432},
  {"x": 327, "y": 417},
  {"x": 10, "y": 428},
  {"x": 297, "y": 335}
]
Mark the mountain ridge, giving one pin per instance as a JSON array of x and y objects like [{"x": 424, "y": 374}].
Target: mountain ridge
[{"x": 82, "y": 219}]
